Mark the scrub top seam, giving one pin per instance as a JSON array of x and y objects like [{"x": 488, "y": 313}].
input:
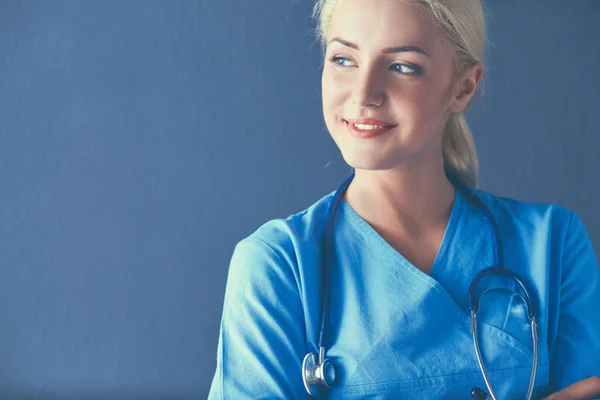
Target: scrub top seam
[
  {"x": 556, "y": 325},
  {"x": 449, "y": 235},
  {"x": 282, "y": 262},
  {"x": 273, "y": 251}
]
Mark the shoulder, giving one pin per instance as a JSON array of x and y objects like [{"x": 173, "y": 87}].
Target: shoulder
[
  {"x": 273, "y": 260},
  {"x": 286, "y": 239},
  {"x": 530, "y": 216}
]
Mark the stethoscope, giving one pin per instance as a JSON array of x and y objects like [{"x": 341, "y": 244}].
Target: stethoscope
[{"x": 318, "y": 374}]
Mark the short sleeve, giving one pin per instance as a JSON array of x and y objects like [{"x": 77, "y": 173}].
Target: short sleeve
[
  {"x": 262, "y": 336},
  {"x": 576, "y": 354}
]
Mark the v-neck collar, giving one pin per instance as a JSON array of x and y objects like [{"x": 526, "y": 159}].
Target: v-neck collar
[{"x": 438, "y": 263}]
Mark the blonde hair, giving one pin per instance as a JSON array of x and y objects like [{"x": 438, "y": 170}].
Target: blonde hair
[{"x": 462, "y": 25}]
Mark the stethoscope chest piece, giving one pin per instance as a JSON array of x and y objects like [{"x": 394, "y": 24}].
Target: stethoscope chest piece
[{"x": 317, "y": 373}]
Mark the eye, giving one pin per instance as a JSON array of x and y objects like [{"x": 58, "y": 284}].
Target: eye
[
  {"x": 407, "y": 69},
  {"x": 342, "y": 61}
]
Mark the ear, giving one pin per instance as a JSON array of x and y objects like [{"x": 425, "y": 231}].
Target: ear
[{"x": 466, "y": 88}]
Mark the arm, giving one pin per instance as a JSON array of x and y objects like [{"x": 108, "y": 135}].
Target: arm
[
  {"x": 576, "y": 352},
  {"x": 261, "y": 342},
  {"x": 583, "y": 390}
]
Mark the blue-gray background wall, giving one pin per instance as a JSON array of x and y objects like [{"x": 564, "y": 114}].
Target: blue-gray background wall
[{"x": 141, "y": 139}]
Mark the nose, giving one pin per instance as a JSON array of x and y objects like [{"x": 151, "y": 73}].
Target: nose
[{"x": 367, "y": 91}]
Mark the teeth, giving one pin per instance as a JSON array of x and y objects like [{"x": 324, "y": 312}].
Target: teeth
[{"x": 368, "y": 127}]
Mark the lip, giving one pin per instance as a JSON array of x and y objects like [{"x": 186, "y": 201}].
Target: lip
[
  {"x": 367, "y": 134},
  {"x": 369, "y": 121}
]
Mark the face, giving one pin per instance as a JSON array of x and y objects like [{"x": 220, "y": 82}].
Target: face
[{"x": 386, "y": 65}]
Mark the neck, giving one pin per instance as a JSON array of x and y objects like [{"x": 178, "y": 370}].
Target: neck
[{"x": 410, "y": 202}]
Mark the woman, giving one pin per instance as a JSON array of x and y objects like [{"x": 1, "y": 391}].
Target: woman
[{"x": 408, "y": 240}]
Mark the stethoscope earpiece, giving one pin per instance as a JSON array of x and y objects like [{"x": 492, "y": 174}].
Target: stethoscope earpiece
[{"x": 317, "y": 373}]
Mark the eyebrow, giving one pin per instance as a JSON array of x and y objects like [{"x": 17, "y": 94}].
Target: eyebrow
[{"x": 389, "y": 50}]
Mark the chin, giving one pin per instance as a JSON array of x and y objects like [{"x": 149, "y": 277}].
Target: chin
[
  {"x": 365, "y": 163},
  {"x": 374, "y": 161}
]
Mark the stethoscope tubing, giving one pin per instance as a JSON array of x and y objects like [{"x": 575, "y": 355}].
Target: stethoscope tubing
[
  {"x": 325, "y": 269},
  {"x": 309, "y": 374}
]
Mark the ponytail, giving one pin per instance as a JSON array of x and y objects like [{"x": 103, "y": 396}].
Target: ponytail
[{"x": 458, "y": 147}]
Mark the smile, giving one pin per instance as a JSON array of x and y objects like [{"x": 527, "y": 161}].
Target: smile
[{"x": 367, "y": 131}]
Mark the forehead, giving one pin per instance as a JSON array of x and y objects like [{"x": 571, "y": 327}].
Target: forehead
[{"x": 379, "y": 24}]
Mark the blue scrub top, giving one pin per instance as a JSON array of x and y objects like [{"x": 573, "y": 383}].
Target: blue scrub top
[{"x": 396, "y": 332}]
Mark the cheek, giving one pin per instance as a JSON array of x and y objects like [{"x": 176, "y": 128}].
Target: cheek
[
  {"x": 332, "y": 96},
  {"x": 426, "y": 103}
]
